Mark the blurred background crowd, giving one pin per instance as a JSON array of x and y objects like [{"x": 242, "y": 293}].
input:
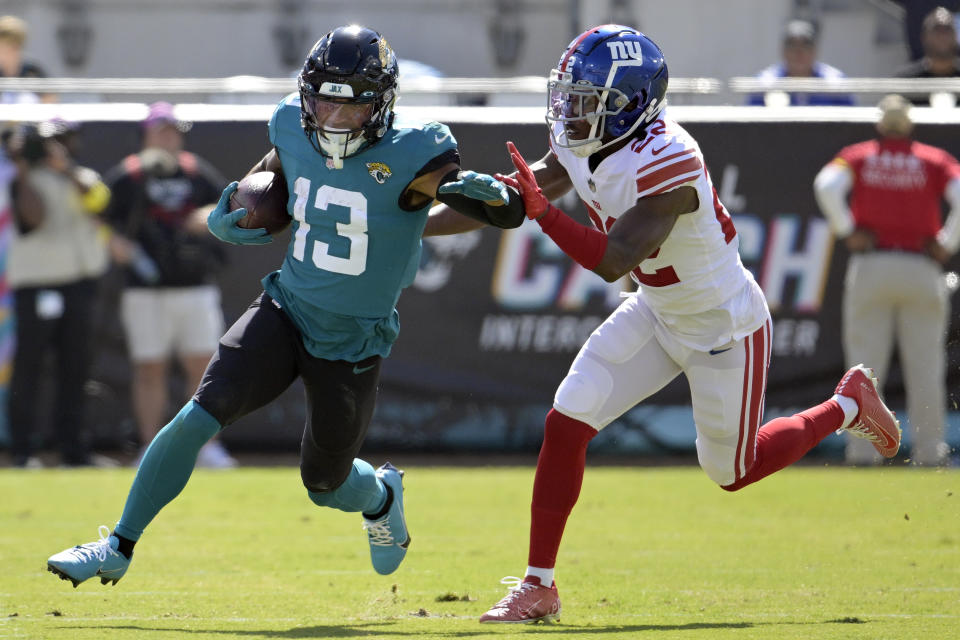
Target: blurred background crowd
[{"x": 113, "y": 294}]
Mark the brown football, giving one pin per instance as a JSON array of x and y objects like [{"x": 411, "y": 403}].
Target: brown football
[{"x": 264, "y": 195}]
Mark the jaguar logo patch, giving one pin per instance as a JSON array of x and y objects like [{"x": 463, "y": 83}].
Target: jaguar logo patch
[{"x": 379, "y": 171}]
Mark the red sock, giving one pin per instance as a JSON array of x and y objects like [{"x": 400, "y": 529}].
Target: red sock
[
  {"x": 783, "y": 441},
  {"x": 556, "y": 486}
]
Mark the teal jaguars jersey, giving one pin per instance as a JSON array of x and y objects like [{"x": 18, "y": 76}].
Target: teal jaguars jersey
[{"x": 352, "y": 248}]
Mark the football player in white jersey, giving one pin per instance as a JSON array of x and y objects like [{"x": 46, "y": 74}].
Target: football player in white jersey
[{"x": 697, "y": 310}]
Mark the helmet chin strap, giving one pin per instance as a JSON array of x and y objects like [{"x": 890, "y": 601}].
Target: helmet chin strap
[
  {"x": 336, "y": 158},
  {"x": 338, "y": 145},
  {"x": 586, "y": 150}
]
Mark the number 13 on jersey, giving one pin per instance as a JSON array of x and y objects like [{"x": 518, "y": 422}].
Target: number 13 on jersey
[{"x": 354, "y": 231}]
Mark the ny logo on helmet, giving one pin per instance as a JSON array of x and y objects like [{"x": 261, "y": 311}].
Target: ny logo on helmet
[{"x": 628, "y": 50}]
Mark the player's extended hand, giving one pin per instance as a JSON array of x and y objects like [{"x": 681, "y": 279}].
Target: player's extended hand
[
  {"x": 534, "y": 203},
  {"x": 478, "y": 186},
  {"x": 223, "y": 223}
]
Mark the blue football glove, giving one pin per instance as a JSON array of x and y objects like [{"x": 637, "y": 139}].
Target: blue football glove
[
  {"x": 478, "y": 186},
  {"x": 223, "y": 223}
]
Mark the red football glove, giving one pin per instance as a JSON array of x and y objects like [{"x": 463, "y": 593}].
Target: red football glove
[
  {"x": 584, "y": 244},
  {"x": 525, "y": 182}
]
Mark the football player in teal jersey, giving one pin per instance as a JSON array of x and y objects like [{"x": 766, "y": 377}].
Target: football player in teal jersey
[{"x": 361, "y": 180}]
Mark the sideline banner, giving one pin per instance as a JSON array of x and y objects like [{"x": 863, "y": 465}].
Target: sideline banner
[{"x": 495, "y": 318}]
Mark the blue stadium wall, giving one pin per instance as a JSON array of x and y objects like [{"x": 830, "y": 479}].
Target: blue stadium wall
[{"x": 494, "y": 319}]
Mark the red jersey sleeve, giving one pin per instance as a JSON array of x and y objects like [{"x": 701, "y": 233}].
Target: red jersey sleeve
[
  {"x": 941, "y": 167},
  {"x": 951, "y": 168},
  {"x": 853, "y": 156}
]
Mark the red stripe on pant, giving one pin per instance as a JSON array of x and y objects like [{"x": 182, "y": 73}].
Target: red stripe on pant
[
  {"x": 758, "y": 395},
  {"x": 751, "y": 401},
  {"x": 782, "y": 441}
]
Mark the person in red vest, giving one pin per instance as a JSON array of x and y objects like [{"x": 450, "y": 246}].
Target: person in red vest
[
  {"x": 883, "y": 199},
  {"x": 170, "y": 304}
]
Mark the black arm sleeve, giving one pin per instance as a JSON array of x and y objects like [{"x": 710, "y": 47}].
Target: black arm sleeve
[{"x": 508, "y": 216}]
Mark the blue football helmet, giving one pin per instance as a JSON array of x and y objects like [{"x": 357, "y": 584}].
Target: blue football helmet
[{"x": 610, "y": 83}]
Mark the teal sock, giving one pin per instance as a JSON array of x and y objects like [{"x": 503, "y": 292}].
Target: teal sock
[
  {"x": 361, "y": 491},
  {"x": 166, "y": 467}
]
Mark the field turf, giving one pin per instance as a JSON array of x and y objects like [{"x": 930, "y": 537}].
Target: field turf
[{"x": 812, "y": 552}]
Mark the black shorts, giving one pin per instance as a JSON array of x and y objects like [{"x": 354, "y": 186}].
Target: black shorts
[{"x": 260, "y": 356}]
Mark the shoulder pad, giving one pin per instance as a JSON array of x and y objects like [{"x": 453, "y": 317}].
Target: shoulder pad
[
  {"x": 286, "y": 113},
  {"x": 666, "y": 160},
  {"x": 437, "y": 133}
]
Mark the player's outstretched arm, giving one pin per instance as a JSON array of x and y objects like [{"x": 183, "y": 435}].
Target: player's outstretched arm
[
  {"x": 642, "y": 229},
  {"x": 470, "y": 201},
  {"x": 476, "y": 186},
  {"x": 447, "y": 221},
  {"x": 548, "y": 173},
  {"x": 443, "y": 220},
  {"x": 482, "y": 197},
  {"x": 585, "y": 245},
  {"x": 635, "y": 235}
]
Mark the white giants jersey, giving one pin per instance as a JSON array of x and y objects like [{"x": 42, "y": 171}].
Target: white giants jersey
[{"x": 694, "y": 282}]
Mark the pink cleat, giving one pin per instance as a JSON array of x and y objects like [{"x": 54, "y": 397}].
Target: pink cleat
[
  {"x": 528, "y": 601},
  {"x": 874, "y": 422}
]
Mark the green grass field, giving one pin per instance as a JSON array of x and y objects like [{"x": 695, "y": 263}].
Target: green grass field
[{"x": 649, "y": 553}]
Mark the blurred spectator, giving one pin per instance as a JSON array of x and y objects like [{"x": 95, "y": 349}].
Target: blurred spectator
[
  {"x": 13, "y": 37},
  {"x": 56, "y": 259},
  {"x": 940, "y": 60},
  {"x": 914, "y": 13},
  {"x": 800, "y": 61},
  {"x": 895, "y": 292},
  {"x": 170, "y": 305},
  {"x": 8, "y": 171}
]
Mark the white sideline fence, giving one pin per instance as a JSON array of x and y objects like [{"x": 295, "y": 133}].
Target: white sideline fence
[
  {"x": 204, "y": 112},
  {"x": 941, "y": 91}
]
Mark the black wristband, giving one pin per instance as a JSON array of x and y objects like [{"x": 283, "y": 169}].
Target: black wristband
[{"x": 510, "y": 215}]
